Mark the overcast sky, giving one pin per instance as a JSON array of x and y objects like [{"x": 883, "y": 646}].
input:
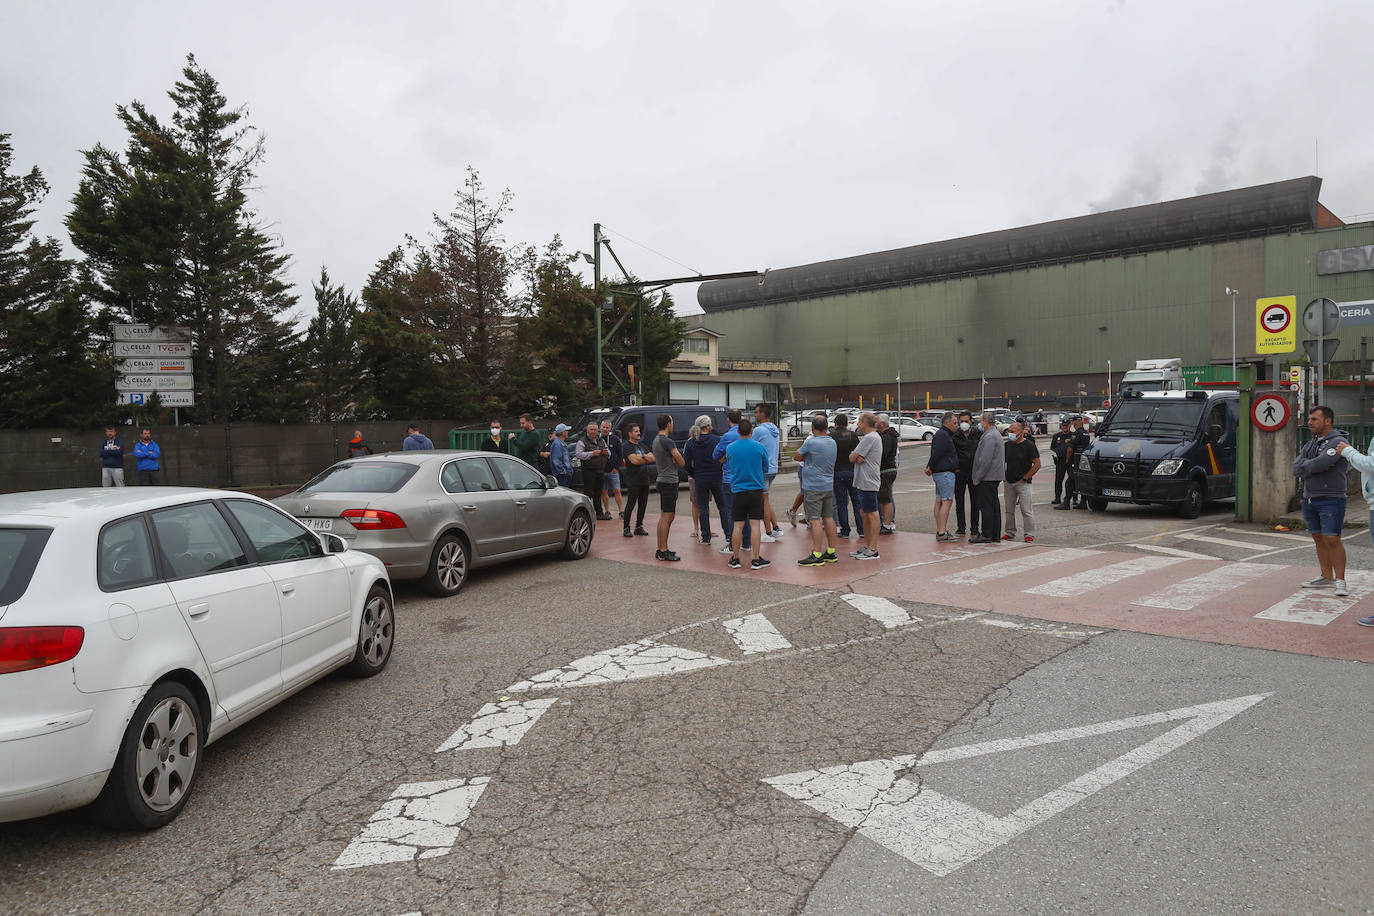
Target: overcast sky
[{"x": 724, "y": 135}]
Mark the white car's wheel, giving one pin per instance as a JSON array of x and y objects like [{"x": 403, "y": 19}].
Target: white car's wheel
[{"x": 157, "y": 763}]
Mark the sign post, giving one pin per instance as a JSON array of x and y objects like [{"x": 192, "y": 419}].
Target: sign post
[
  {"x": 150, "y": 360},
  {"x": 1321, "y": 317}
]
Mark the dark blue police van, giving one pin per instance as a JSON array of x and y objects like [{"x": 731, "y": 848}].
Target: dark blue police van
[{"x": 1174, "y": 448}]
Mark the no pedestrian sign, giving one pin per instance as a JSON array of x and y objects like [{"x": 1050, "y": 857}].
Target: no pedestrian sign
[
  {"x": 1275, "y": 329},
  {"x": 1270, "y": 412}
]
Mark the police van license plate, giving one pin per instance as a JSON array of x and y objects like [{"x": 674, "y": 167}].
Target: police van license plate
[
  {"x": 319, "y": 524},
  {"x": 1125, "y": 494}
]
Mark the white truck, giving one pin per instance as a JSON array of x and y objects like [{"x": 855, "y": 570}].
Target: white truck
[{"x": 1153, "y": 375}]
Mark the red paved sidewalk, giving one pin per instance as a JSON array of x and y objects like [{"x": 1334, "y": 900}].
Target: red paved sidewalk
[{"x": 1062, "y": 584}]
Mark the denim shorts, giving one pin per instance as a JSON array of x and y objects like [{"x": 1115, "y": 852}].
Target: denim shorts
[
  {"x": 612, "y": 481},
  {"x": 944, "y": 484},
  {"x": 768, "y": 482},
  {"x": 1324, "y": 514},
  {"x": 868, "y": 500}
]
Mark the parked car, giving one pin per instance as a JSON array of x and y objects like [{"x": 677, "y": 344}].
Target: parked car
[
  {"x": 1094, "y": 418},
  {"x": 434, "y": 515},
  {"x": 911, "y": 428},
  {"x": 139, "y": 625}
]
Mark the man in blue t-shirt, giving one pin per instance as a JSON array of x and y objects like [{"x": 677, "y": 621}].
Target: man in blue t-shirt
[
  {"x": 768, "y": 435},
  {"x": 817, "y": 455},
  {"x": 731, "y": 435},
  {"x": 748, "y": 464}
]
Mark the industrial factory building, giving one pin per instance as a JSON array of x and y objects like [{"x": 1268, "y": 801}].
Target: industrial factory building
[{"x": 1040, "y": 309}]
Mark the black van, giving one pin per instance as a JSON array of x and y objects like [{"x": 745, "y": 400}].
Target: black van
[
  {"x": 646, "y": 417},
  {"x": 1171, "y": 447}
]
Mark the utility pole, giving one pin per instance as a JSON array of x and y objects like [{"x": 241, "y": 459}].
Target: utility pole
[{"x": 596, "y": 305}]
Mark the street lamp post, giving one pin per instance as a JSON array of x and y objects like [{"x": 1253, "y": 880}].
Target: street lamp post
[
  {"x": 899, "y": 394},
  {"x": 1233, "y": 293}
]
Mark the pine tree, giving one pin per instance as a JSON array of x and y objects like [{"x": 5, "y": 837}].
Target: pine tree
[
  {"x": 333, "y": 357},
  {"x": 170, "y": 238},
  {"x": 51, "y": 373}
]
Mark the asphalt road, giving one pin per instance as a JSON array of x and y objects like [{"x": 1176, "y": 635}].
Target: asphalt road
[{"x": 612, "y": 736}]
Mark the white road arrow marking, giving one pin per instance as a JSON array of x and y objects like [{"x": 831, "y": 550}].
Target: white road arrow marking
[
  {"x": 422, "y": 820},
  {"x": 888, "y": 613},
  {"x": 497, "y": 725},
  {"x": 755, "y": 633},
  {"x": 941, "y": 834},
  {"x": 631, "y": 661}
]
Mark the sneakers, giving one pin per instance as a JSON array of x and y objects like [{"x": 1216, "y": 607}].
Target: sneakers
[
  {"x": 960, "y": 532},
  {"x": 792, "y": 517},
  {"x": 844, "y": 534},
  {"x": 1008, "y": 537},
  {"x": 769, "y": 539},
  {"x": 735, "y": 563},
  {"x": 603, "y": 516},
  {"x": 1064, "y": 505},
  {"x": 667, "y": 556},
  {"x": 1319, "y": 582},
  {"x": 1366, "y": 621},
  {"x": 629, "y": 533},
  {"x": 1030, "y": 539},
  {"x": 811, "y": 559},
  {"x": 1341, "y": 590},
  {"x": 946, "y": 536},
  {"x": 727, "y": 548},
  {"x": 865, "y": 553},
  {"x": 830, "y": 556},
  {"x": 887, "y": 529},
  {"x": 759, "y": 563},
  {"x": 1055, "y": 501},
  {"x": 641, "y": 532},
  {"x": 776, "y": 533}
]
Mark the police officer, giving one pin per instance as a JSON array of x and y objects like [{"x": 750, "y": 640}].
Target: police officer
[
  {"x": 1078, "y": 444},
  {"x": 1059, "y": 447}
]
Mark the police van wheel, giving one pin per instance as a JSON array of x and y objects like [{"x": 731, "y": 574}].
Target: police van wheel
[
  {"x": 1191, "y": 507},
  {"x": 1097, "y": 504}
]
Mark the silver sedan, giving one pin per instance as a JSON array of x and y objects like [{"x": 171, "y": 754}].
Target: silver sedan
[{"x": 434, "y": 515}]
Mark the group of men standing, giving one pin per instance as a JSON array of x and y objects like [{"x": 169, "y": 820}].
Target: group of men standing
[{"x": 147, "y": 459}]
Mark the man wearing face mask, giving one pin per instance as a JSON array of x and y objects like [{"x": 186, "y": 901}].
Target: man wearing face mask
[
  {"x": 495, "y": 443},
  {"x": 966, "y": 438},
  {"x": 1023, "y": 461},
  {"x": 989, "y": 469}
]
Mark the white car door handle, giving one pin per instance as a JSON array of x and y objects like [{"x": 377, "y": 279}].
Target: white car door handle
[
  {"x": 522, "y": 502},
  {"x": 199, "y": 610},
  {"x": 469, "y": 508},
  {"x": 288, "y": 588}
]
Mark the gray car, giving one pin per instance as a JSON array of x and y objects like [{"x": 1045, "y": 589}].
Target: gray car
[{"x": 433, "y": 515}]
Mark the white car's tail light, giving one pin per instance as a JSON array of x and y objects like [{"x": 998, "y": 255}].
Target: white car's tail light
[
  {"x": 372, "y": 519},
  {"x": 25, "y": 648}
]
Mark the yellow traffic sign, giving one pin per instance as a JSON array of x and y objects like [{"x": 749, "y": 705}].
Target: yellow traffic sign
[{"x": 1276, "y": 326}]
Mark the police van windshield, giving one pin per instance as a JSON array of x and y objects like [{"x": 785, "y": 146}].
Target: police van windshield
[{"x": 1150, "y": 417}]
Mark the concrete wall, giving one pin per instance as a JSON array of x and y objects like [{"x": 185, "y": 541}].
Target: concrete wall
[
  {"x": 262, "y": 454},
  {"x": 1273, "y": 487}
]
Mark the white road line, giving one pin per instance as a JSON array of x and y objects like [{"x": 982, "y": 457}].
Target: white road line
[
  {"x": 1174, "y": 551},
  {"x": 629, "y": 662},
  {"x": 885, "y": 612},
  {"x": 422, "y": 820},
  {"x": 497, "y": 725},
  {"x": 1049, "y": 629},
  {"x": 1318, "y": 606},
  {"x": 755, "y": 633},
  {"x": 1224, "y": 542},
  {"x": 1308, "y": 546},
  {"x": 994, "y": 571},
  {"x": 1188, "y": 594},
  {"x": 1270, "y": 534},
  {"x": 1081, "y": 583},
  {"x": 942, "y": 834}
]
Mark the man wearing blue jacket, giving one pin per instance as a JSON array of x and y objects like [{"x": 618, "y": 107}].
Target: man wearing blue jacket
[
  {"x": 727, "y": 507},
  {"x": 1322, "y": 469},
  {"x": 149, "y": 458}
]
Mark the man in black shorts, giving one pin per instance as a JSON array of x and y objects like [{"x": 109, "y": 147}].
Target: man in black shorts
[
  {"x": 667, "y": 459},
  {"x": 748, "y": 461}
]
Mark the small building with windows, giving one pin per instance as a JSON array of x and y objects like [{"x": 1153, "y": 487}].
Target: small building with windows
[{"x": 700, "y": 376}]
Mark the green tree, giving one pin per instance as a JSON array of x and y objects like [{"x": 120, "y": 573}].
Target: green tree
[
  {"x": 51, "y": 372},
  {"x": 451, "y": 301},
  {"x": 170, "y": 238},
  {"x": 333, "y": 358}
]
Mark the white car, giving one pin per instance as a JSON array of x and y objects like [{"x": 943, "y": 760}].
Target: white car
[
  {"x": 138, "y": 625},
  {"x": 911, "y": 428}
]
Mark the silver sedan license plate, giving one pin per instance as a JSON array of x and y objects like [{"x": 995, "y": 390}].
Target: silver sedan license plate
[
  {"x": 319, "y": 524},
  {"x": 1124, "y": 494}
]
